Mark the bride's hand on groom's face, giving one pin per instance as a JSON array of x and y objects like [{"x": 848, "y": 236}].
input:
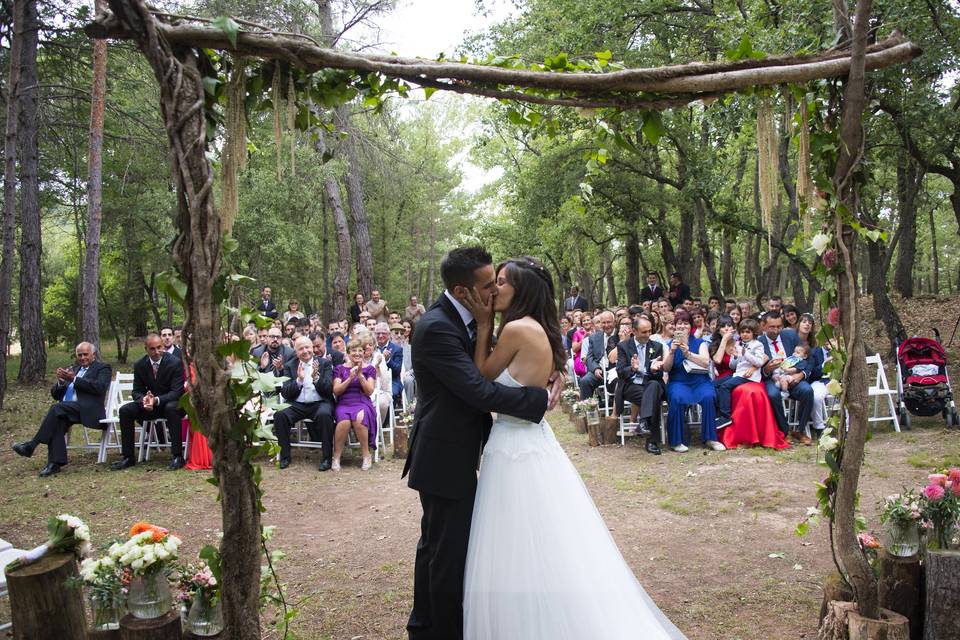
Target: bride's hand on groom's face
[{"x": 482, "y": 311}]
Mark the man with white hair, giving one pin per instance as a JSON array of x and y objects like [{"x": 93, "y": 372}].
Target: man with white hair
[
  {"x": 393, "y": 354},
  {"x": 599, "y": 345},
  {"x": 309, "y": 390},
  {"x": 79, "y": 393}
]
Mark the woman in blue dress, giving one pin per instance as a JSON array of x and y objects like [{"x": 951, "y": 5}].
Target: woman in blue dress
[{"x": 689, "y": 387}]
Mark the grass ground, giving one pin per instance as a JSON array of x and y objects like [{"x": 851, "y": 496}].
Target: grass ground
[{"x": 709, "y": 535}]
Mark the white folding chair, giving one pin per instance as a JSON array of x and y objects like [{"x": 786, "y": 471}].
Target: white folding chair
[{"x": 881, "y": 390}]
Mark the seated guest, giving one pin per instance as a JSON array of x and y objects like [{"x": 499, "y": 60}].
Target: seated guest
[
  {"x": 338, "y": 343},
  {"x": 665, "y": 333},
  {"x": 578, "y": 350},
  {"x": 749, "y": 358},
  {"x": 407, "y": 330},
  {"x": 795, "y": 368},
  {"x": 263, "y": 339},
  {"x": 599, "y": 345},
  {"x": 689, "y": 387},
  {"x": 653, "y": 291},
  {"x": 819, "y": 355},
  {"x": 624, "y": 331},
  {"x": 275, "y": 353},
  {"x": 392, "y": 355},
  {"x": 158, "y": 381},
  {"x": 777, "y": 344},
  {"x": 699, "y": 329},
  {"x": 320, "y": 349},
  {"x": 744, "y": 309},
  {"x": 293, "y": 311},
  {"x": 266, "y": 306},
  {"x": 166, "y": 338},
  {"x": 729, "y": 305},
  {"x": 309, "y": 391},
  {"x": 250, "y": 335},
  {"x": 384, "y": 390},
  {"x": 407, "y": 377},
  {"x": 736, "y": 315},
  {"x": 353, "y": 387},
  {"x": 80, "y": 392},
  {"x": 638, "y": 367},
  {"x": 289, "y": 328},
  {"x": 790, "y": 316},
  {"x": 713, "y": 304},
  {"x": 775, "y": 303},
  {"x": 664, "y": 306}
]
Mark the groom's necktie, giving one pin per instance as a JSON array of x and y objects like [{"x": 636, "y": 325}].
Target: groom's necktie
[{"x": 472, "y": 331}]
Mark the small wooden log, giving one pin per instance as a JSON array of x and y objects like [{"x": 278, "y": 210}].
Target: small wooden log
[
  {"x": 166, "y": 627},
  {"x": 834, "y": 590},
  {"x": 890, "y": 626},
  {"x": 41, "y": 603},
  {"x": 401, "y": 439},
  {"x": 610, "y": 426},
  {"x": 942, "y": 611},
  {"x": 901, "y": 589},
  {"x": 580, "y": 423},
  {"x": 833, "y": 625},
  {"x": 593, "y": 433},
  {"x": 103, "y": 634}
]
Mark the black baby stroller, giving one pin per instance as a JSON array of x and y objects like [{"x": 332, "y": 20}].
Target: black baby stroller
[{"x": 923, "y": 383}]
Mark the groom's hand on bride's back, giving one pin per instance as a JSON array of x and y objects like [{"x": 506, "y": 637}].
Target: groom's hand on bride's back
[{"x": 556, "y": 388}]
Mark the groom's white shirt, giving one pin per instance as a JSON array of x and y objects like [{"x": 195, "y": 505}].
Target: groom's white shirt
[{"x": 465, "y": 314}]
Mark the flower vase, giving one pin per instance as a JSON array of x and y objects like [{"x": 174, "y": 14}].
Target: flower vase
[
  {"x": 106, "y": 612},
  {"x": 205, "y": 617},
  {"x": 593, "y": 415},
  {"x": 902, "y": 538},
  {"x": 149, "y": 596}
]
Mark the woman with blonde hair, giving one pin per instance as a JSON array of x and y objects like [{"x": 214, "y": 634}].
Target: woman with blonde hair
[{"x": 352, "y": 386}]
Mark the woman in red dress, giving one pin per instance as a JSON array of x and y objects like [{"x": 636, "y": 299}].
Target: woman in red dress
[{"x": 752, "y": 420}]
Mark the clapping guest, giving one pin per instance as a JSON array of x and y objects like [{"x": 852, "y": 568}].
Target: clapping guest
[
  {"x": 600, "y": 344},
  {"x": 413, "y": 311},
  {"x": 275, "y": 353},
  {"x": 376, "y": 307},
  {"x": 79, "y": 395},
  {"x": 309, "y": 392},
  {"x": 384, "y": 391},
  {"x": 639, "y": 364},
  {"x": 353, "y": 387},
  {"x": 393, "y": 357},
  {"x": 158, "y": 380}
]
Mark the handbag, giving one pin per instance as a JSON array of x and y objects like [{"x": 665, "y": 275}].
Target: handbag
[{"x": 692, "y": 367}]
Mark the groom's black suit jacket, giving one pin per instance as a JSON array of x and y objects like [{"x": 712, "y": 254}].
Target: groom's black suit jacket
[{"x": 452, "y": 420}]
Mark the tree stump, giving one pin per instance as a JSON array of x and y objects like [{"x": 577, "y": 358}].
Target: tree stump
[
  {"x": 610, "y": 427},
  {"x": 401, "y": 438},
  {"x": 593, "y": 433},
  {"x": 942, "y": 611},
  {"x": 580, "y": 423},
  {"x": 111, "y": 634},
  {"x": 166, "y": 627},
  {"x": 901, "y": 589},
  {"x": 890, "y": 626},
  {"x": 834, "y": 589},
  {"x": 41, "y": 603}
]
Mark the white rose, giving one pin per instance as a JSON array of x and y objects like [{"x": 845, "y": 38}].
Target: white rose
[
  {"x": 162, "y": 553},
  {"x": 82, "y": 532},
  {"x": 834, "y": 388},
  {"x": 149, "y": 558},
  {"x": 136, "y": 564},
  {"x": 107, "y": 562},
  {"x": 820, "y": 243},
  {"x": 828, "y": 443}
]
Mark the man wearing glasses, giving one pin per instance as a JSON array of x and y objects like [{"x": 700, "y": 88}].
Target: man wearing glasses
[{"x": 275, "y": 354}]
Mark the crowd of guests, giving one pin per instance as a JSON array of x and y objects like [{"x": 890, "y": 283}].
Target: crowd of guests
[
  {"x": 333, "y": 376},
  {"x": 721, "y": 363}
]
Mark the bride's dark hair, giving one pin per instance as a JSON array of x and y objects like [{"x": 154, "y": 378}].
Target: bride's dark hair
[{"x": 533, "y": 295}]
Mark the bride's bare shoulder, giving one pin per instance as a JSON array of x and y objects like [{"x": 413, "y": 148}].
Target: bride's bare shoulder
[{"x": 523, "y": 326}]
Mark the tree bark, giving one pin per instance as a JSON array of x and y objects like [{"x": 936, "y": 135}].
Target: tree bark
[
  {"x": 33, "y": 359},
  {"x": 89, "y": 309},
  {"x": 909, "y": 180},
  {"x": 198, "y": 252},
  {"x": 9, "y": 226},
  {"x": 726, "y": 263},
  {"x": 703, "y": 238},
  {"x": 166, "y": 627},
  {"x": 854, "y": 394},
  {"x": 631, "y": 258},
  {"x": 41, "y": 604},
  {"x": 341, "y": 278},
  {"x": 358, "y": 212},
  {"x": 934, "y": 257},
  {"x": 901, "y": 589},
  {"x": 942, "y": 619}
]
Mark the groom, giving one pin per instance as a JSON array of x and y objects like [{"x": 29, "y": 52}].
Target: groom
[{"x": 451, "y": 424}]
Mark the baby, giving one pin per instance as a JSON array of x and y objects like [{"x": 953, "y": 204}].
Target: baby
[{"x": 784, "y": 376}]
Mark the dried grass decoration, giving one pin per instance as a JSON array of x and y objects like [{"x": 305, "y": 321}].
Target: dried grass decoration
[
  {"x": 768, "y": 166},
  {"x": 235, "y": 143},
  {"x": 804, "y": 181}
]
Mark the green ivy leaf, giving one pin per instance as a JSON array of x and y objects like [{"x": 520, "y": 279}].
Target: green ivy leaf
[
  {"x": 229, "y": 26},
  {"x": 170, "y": 283},
  {"x": 653, "y": 127}
]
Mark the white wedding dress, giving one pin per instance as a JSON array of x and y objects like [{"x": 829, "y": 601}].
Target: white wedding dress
[{"x": 541, "y": 563}]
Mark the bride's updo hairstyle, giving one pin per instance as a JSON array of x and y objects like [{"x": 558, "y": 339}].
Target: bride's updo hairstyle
[{"x": 533, "y": 295}]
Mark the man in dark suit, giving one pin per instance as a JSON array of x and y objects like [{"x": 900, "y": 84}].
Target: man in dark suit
[
  {"x": 266, "y": 306},
  {"x": 309, "y": 390},
  {"x": 320, "y": 350},
  {"x": 451, "y": 424},
  {"x": 679, "y": 290},
  {"x": 166, "y": 338},
  {"x": 393, "y": 353},
  {"x": 276, "y": 354},
  {"x": 778, "y": 343},
  {"x": 80, "y": 392},
  {"x": 653, "y": 291},
  {"x": 157, "y": 387},
  {"x": 599, "y": 344},
  {"x": 575, "y": 301},
  {"x": 639, "y": 361}
]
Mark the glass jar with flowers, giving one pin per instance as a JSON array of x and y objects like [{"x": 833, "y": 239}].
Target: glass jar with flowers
[
  {"x": 940, "y": 508},
  {"x": 589, "y": 409},
  {"x": 105, "y": 584},
  {"x": 199, "y": 590},
  {"x": 147, "y": 554},
  {"x": 901, "y": 516}
]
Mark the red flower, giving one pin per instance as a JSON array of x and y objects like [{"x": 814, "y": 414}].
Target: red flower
[
  {"x": 833, "y": 316},
  {"x": 830, "y": 258}
]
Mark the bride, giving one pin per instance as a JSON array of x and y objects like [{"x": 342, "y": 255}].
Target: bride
[{"x": 541, "y": 564}]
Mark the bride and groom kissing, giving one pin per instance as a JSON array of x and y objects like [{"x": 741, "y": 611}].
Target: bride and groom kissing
[{"x": 522, "y": 553}]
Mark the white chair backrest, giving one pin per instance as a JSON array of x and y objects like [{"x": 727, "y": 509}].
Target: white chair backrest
[
  {"x": 881, "y": 378},
  {"x": 110, "y": 402}
]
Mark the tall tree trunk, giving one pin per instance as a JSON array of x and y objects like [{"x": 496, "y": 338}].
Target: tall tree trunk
[
  {"x": 608, "y": 276},
  {"x": 909, "y": 180},
  {"x": 9, "y": 227},
  {"x": 33, "y": 359},
  {"x": 89, "y": 309},
  {"x": 934, "y": 257},
  {"x": 631, "y": 258},
  {"x": 341, "y": 278},
  {"x": 327, "y": 312},
  {"x": 703, "y": 238},
  {"x": 358, "y": 212},
  {"x": 198, "y": 254},
  {"x": 854, "y": 395},
  {"x": 726, "y": 263}
]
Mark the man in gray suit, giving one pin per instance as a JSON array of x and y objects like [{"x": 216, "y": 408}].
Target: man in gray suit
[{"x": 599, "y": 345}]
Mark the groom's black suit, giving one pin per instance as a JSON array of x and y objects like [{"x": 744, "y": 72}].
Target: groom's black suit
[{"x": 451, "y": 423}]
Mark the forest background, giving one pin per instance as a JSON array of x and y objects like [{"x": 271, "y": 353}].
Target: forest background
[{"x": 380, "y": 203}]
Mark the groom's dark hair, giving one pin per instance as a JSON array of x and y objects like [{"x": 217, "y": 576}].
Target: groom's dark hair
[{"x": 458, "y": 266}]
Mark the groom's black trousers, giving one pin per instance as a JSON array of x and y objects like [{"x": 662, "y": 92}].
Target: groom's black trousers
[{"x": 441, "y": 559}]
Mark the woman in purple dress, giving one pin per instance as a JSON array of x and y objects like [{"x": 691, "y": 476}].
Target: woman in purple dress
[{"x": 352, "y": 385}]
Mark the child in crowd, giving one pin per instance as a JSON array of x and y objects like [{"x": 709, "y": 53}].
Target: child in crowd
[
  {"x": 750, "y": 359},
  {"x": 784, "y": 376}
]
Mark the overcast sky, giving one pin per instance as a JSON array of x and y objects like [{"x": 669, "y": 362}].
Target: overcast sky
[{"x": 426, "y": 28}]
